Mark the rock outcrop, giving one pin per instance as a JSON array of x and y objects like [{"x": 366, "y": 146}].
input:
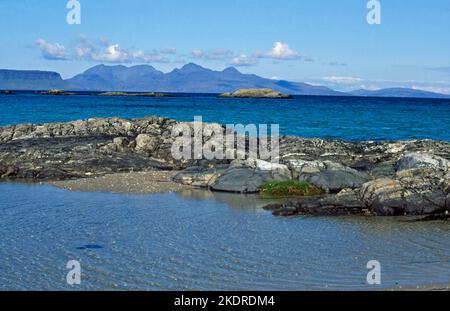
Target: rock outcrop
[
  {"x": 248, "y": 176},
  {"x": 256, "y": 93},
  {"x": 328, "y": 175},
  {"x": 422, "y": 160},
  {"x": 376, "y": 178},
  {"x": 419, "y": 191},
  {"x": 92, "y": 147},
  {"x": 56, "y": 92},
  {"x": 202, "y": 175}
]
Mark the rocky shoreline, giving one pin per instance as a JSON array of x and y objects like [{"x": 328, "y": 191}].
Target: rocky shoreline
[
  {"x": 361, "y": 178},
  {"x": 256, "y": 93}
]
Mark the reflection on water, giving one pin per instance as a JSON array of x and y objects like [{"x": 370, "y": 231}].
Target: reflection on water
[
  {"x": 200, "y": 240},
  {"x": 242, "y": 201}
]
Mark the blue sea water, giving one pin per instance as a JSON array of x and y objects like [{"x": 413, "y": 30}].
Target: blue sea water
[
  {"x": 345, "y": 118},
  {"x": 200, "y": 240}
]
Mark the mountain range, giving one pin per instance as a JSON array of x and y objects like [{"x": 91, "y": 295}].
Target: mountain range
[{"x": 191, "y": 78}]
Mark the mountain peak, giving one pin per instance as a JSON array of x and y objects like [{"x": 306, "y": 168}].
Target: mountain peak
[
  {"x": 191, "y": 67},
  {"x": 144, "y": 69},
  {"x": 121, "y": 69},
  {"x": 231, "y": 70},
  {"x": 102, "y": 68}
]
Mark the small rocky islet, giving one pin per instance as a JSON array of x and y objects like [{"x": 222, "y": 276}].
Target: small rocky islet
[
  {"x": 256, "y": 93},
  {"x": 356, "y": 178},
  {"x": 6, "y": 92},
  {"x": 56, "y": 92}
]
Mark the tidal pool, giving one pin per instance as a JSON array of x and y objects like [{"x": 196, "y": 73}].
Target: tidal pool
[{"x": 198, "y": 240}]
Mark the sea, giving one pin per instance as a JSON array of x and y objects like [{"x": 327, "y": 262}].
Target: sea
[{"x": 199, "y": 240}]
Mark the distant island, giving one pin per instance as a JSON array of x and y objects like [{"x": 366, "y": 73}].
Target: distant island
[
  {"x": 398, "y": 92},
  {"x": 191, "y": 78},
  {"x": 56, "y": 92},
  {"x": 255, "y": 93}
]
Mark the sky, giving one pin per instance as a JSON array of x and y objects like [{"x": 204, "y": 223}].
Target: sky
[{"x": 323, "y": 42}]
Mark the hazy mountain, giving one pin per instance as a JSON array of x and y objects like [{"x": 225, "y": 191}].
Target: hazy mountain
[
  {"x": 399, "y": 92},
  {"x": 191, "y": 78},
  {"x": 115, "y": 78},
  {"x": 30, "y": 80}
]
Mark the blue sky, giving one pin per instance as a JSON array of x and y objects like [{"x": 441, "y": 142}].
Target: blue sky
[{"x": 324, "y": 42}]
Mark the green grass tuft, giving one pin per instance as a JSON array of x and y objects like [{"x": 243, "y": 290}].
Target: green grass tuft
[{"x": 290, "y": 188}]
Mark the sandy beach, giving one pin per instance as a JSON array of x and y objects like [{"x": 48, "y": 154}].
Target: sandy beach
[{"x": 133, "y": 183}]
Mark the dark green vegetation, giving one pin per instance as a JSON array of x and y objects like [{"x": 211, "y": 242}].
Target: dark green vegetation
[{"x": 290, "y": 188}]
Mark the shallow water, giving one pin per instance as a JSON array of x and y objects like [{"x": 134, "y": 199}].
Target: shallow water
[
  {"x": 343, "y": 118},
  {"x": 203, "y": 241}
]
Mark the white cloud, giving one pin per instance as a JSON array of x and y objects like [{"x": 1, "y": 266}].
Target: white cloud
[
  {"x": 225, "y": 55},
  {"x": 113, "y": 54},
  {"x": 370, "y": 87},
  {"x": 343, "y": 83},
  {"x": 342, "y": 80},
  {"x": 281, "y": 50},
  {"x": 52, "y": 51},
  {"x": 101, "y": 50},
  {"x": 104, "y": 50},
  {"x": 243, "y": 60},
  {"x": 197, "y": 53},
  {"x": 434, "y": 89}
]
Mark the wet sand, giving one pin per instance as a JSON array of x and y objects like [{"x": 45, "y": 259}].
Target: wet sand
[{"x": 133, "y": 183}]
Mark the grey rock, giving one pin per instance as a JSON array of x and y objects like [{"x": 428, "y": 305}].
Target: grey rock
[
  {"x": 87, "y": 148},
  {"x": 414, "y": 192},
  {"x": 146, "y": 143},
  {"x": 345, "y": 203},
  {"x": 421, "y": 160},
  {"x": 241, "y": 180},
  {"x": 384, "y": 197},
  {"x": 328, "y": 175},
  {"x": 336, "y": 180},
  {"x": 285, "y": 211},
  {"x": 382, "y": 170},
  {"x": 121, "y": 142},
  {"x": 261, "y": 165},
  {"x": 247, "y": 176},
  {"x": 199, "y": 176}
]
